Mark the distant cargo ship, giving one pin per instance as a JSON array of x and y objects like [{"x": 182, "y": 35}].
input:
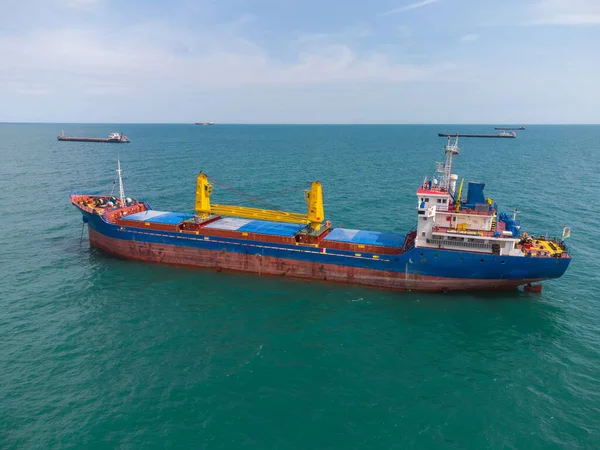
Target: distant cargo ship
[
  {"x": 508, "y": 129},
  {"x": 113, "y": 138},
  {"x": 458, "y": 243},
  {"x": 503, "y": 134},
  {"x": 204, "y": 123}
]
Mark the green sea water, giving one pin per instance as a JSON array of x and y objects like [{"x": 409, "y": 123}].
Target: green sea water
[{"x": 96, "y": 352}]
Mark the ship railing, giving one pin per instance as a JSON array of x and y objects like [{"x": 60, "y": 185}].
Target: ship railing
[
  {"x": 85, "y": 192},
  {"x": 464, "y": 244},
  {"x": 436, "y": 189},
  {"x": 465, "y": 233},
  {"x": 474, "y": 212},
  {"x": 409, "y": 243}
]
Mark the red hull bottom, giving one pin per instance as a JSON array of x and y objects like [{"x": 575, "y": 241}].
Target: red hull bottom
[{"x": 194, "y": 257}]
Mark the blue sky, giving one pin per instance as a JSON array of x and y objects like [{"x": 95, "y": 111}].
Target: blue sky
[{"x": 302, "y": 61}]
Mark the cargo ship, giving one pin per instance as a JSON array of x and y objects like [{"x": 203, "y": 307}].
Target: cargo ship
[
  {"x": 502, "y": 134},
  {"x": 204, "y": 123},
  {"x": 113, "y": 138},
  {"x": 508, "y": 128},
  {"x": 458, "y": 243}
]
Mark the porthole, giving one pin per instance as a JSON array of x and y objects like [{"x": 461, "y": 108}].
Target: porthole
[
  {"x": 482, "y": 260},
  {"x": 502, "y": 262}
]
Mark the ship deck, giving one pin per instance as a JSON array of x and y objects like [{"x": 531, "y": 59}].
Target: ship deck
[
  {"x": 216, "y": 225},
  {"x": 535, "y": 247},
  {"x": 363, "y": 237},
  {"x": 88, "y": 203},
  {"x": 160, "y": 217},
  {"x": 256, "y": 226},
  {"x": 139, "y": 215},
  {"x": 542, "y": 248}
]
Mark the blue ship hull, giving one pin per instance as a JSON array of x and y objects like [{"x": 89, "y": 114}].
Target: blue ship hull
[{"x": 423, "y": 269}]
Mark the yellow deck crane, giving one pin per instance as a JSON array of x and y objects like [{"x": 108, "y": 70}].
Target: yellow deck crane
[
  {"x": 313, "y": 197},
  {"x": 458, "y": 194}
]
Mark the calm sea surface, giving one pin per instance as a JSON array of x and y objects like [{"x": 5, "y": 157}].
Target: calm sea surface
[{"x": 96, "y": 352}]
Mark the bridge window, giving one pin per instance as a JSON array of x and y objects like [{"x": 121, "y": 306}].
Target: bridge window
[
  {"x": 426, "y": 199},
  {"x": 444, "y": 201}
]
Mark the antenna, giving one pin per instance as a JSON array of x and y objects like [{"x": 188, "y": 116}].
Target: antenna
[
  {"x": 121, "y": 192},
  {"x": 445, "y": 169}
]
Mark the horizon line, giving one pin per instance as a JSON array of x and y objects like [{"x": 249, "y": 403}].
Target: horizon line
[{"x": 304, "y": 123}]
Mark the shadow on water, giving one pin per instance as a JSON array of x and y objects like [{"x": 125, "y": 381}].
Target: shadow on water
[
  {"x": 99, "y": 257},
  {"x": 507, "y": 309}
]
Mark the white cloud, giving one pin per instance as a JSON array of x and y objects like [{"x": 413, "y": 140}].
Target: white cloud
[
  {"x": 156, "y": 56},
  {"x": 469, "y": 37},
  {"x": 32, "y": 91},
  {"x": 409, "y": 7},
  {"x": 349, "y": 33},
  {"x": 80, "y": 3},
  {"x": 567, "y": 19},
  {"x": 564, "y": 12}
]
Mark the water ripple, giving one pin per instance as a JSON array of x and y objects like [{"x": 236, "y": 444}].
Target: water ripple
[{"x": 97, "y": 352}]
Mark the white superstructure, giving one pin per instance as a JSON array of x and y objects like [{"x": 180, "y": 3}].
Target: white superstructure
[{"x": 447, "y": 221}]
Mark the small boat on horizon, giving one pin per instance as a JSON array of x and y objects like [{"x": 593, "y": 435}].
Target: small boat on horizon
[
  {"x": 509, "y": 128},
  {"x": 204, "y": 123},
  {"x": 113, "y": 138}
]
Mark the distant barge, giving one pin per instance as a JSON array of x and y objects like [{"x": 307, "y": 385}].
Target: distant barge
[
  {"x": 114, "y": 138},
  {"x": 509, "y": 129},
  {"x": 500, "y": 135},
  {"x": 204, "y": 123}
]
